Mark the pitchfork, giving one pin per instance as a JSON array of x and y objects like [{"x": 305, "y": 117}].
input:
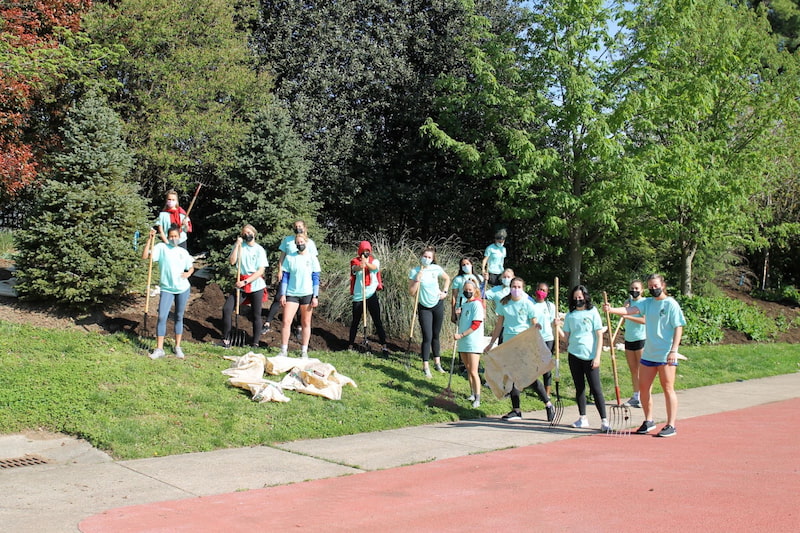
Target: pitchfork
[
  {"x": 237, "y": 336},
  {"x": 558, "y": 405},
  {"x": 619, "y": 423}
]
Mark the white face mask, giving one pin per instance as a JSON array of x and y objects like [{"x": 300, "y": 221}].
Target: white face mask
[
  {"x": 426, "y": 261},
  {"x": 173, "y": 242},
  {"x": 506, "y": 281},
  {"x": 466, "y": 269}
]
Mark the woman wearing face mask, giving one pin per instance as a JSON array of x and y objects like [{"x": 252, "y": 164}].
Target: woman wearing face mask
[
  {"x": 583, "y": 331},
  {"x": 545, "y": 315},
  {"x": 365, "y": 281},
  {"x": 664, "y": 323},
  {"x": 498, "y": 292},
  {"x": 288, "y": 246},
  {"x": 175, "y": 267},
  {"x": 469, "y": 336},
  {"x": 424, "y": 280},
  {"x": 464, "y": 274},
  {"x": 515, "y": 314},
  {"x": 493, "y": 258},
  {"x": 171, "y": 214},
  {"x": 251, "y": 283},
  {"x": 299, "y": 290},
  {"x": 635, "y": 335}
]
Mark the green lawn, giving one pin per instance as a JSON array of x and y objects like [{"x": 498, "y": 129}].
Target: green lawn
[{"x": 104, "y": 389}]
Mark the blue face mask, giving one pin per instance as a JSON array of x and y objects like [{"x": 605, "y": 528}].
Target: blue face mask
[
  {"x": 173, "y": 242},
  {"x": 426, "y": 261},
  {"x": 506, "y": 281}
]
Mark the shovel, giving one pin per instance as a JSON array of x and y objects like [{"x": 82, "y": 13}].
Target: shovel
[
  {"x": 237, "y": 337},
  {"x": 619, "y": 423},
  {"x": 558, "y": 405}
]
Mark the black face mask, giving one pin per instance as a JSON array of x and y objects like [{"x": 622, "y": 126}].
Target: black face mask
[
  {"x": 468, "y": 295},
  {"x": 301, "y": 247},
  {"x": 655, "y": 293},
  {"x": 298, "y": 231},
  {"x": 634, "y": 294},
  {"x": 580, "y": 303},
  {"x": 365, "y": 255},
  {"x": 248, "y": 238}
]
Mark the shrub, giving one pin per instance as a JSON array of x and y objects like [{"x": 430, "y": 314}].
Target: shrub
[{"x": 706, "y": 317}]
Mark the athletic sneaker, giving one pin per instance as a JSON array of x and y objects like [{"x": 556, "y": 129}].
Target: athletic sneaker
[
  {"x": 471, "y": 398},
  {"x": 633, "y": 402},
  {"x": 158, "y": 353},
  {"x": 440, "y": 369},
  {"x": 604, "y": 426},
  {"x": 283, "y": 353},
  {"x": 428, "y": 373},
  {"x": 582, "y": 422},
  {"x": 646, "y": 427},
  {"x": 179, "y": 352},
  {"x": 476, "y": 403},
  {"x": 265, "y": 330},
  {"x": 551, "y": 412},
  {"x": 225, "y": 343},
  {"x": 667, "y": 431},
  {"x": 513, "y": 415}
]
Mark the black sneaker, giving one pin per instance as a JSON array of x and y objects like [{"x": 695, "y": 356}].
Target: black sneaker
[
  {"x": 513, "y": 415},
  {"x": 551, "y": 412},
  {"x": 667, "y": 431},
  {"x": 646, "y": 427}
]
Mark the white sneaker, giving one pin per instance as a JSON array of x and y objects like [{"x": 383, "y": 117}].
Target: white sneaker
[
  {"x": 158, "y": 353},
  {"x": 471, "y": 398},
  {"x": 179, "y": 352},
  {"x": 476, "y": 403},
  {"x": 582, "y": 422},
  {"x": 283, "y": 353},
  {"x": 428, "y": 373},
  {"x": 604, "y": 427}
]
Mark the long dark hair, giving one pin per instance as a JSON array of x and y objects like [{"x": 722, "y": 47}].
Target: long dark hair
[{"x": 585, "y": 297}]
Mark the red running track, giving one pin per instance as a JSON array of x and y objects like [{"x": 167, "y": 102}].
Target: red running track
[{"x": 734, "y": 471}]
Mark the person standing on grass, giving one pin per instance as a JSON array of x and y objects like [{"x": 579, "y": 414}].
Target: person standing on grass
[
  {"x": 469, "y": 336},
  {"x": 172, "y": 213},
  {"x": 288, "y": 246},
  {"x": 423, "y": 284},
  {"x": 175, "y": 267},
  {"x": 299, "y": 290},
  {"x": 252, "y": 287},
  {"x": 583, "y": 331},
  {"x": 457, "y": 298},
  {"x": 545, "y": 313},
  {"x": 635, "y": 335},
  {"x": 493, "y": 258},
  {"x": 515, "y": 314},
  {"x": 664, "y": 322},
  {"x": 365, "y": 281}
]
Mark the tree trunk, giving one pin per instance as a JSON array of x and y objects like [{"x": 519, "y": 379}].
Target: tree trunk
[
  {"x": 575, "y": 257},
  {"x": 688, "y": 251}
]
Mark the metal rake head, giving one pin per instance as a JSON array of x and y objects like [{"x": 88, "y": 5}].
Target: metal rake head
[
  {"x": 558, "y": 412},
  {"x": 619, "y": 421},
  {"x": 237, "y": 337}
]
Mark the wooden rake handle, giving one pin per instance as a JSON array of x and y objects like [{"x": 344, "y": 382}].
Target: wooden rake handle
[
  {"x": 150, "y": 241},
  {"x": 611, "y": 347},
  {"x": 238, "y": 270},
  {"x": 416, "y": 303}
]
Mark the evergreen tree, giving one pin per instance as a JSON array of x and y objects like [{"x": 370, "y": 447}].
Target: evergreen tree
[{"x": 76, "y": 247}]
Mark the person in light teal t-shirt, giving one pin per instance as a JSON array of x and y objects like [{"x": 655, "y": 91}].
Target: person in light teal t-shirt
[
  {"x": 469, "y": 335},
  {"x": 423, "y": 285},
  {"x": 635, "y": 334}
]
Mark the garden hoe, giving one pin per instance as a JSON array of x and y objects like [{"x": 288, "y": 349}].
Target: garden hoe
[
  {"x": 558, "y": 405},
  {"x": 445, "y": 398},
  {"x": 237, "y": 335},
  {"x": 145, "y": 332},
  {"x": 619, "y": 423}
]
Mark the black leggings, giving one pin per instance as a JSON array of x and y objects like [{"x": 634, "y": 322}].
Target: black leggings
[
  {"x": 256, "y": 301},
  {"x": 582, "y": 372},
  {"x": 547, "y": 377},
  {"x": 430, "y": 323},
  {"x": 538, "y": 389},
  {"x": 374, "y": 308}
]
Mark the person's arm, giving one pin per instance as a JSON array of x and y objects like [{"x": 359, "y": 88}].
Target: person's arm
[
  {"x": 672, "y": 356},
  {"x": 234, "y": 257},
  {"x": 315, "y": 289},
  {"x": 146, "y": 250},
  {"x": 622, "y": 311},
  {"x": 483, "y": 264},
  {"x": 446, "y": 289},
  {"x": 280, "y": 266},
  {"x": 598, "y": 342},
  {"x": 414, "y": 283},
  {"x": 498, "y": 327},
  {"x": 637, "y": 319},
  {"x": 251, "y": 278}
]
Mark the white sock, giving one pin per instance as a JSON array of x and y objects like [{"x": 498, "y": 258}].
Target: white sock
[{"x": 636, "y": 396}]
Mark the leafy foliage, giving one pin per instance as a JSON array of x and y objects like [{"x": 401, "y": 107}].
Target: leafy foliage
[
  {"x": 706, "y": 317},
  {"x": 76, "y": 245}
]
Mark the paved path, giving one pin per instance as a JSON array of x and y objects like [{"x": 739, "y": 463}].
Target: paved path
[{"x": 739, "y": 432}]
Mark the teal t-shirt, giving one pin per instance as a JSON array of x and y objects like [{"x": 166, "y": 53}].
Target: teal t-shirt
[
  {"x": 300, "y": 268},
  {"x": 253, "y": 258},
  {"x": 458, "y": 284},
  {"x": 517, "y": 316},
  {"x": 165, "y": 222},
  {"x": 471, "y": 311},
  {"x": 172, "y": 261},
  {"x": 582, "y": 327},
  {"x": 288, "y": 246},
  {"x": 545, "y": 314},
  {"x": 497, "y": 293},
  {"x": 633, "y": 330},
  {"x": 497, "y": 255},
  {"x": 661, "y": 319},
  {"x": 429, "y": 289},
  {"x": 371, "y": 287}
]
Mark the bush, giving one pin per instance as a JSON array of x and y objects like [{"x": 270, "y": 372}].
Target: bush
[{"x": 706, "y": 317}]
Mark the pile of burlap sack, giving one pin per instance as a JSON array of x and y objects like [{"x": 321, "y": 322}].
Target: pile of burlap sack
[{"x": 308, "y": 376}]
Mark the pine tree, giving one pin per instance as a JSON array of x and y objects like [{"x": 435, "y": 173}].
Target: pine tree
[{"x": 77, "y": 247}]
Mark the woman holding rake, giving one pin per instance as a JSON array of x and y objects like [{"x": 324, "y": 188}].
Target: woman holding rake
[
  {"x": 175, "y": 266},
  {"x": 583, "y": 330},
  {"x": 423, "y": 283},
  {"x": 364, "y": 283},
  {"x": 172, "y": 213},
  {"x": 515, "y": 314},
  {"x": 545, "y": 315},
  {"x": 664, "y": 323},
  {"x": 635, "y": 336},
  {"x": 252, "y": 262}
]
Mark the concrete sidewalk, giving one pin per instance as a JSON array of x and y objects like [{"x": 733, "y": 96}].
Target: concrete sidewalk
[{"x": 78, "y": 481}]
